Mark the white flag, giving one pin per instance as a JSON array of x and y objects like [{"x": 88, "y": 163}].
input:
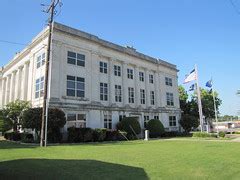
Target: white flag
[{"x": 191, "y": 77}]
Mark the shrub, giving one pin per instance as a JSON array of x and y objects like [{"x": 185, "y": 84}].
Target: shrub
[
  {"x": 80, "y": 134},
  {"x": 99, "y": 135},
  {"x": 111, "y": 135},
  {"x": 155, "y": 127},
  {"x": 170, "y": 134},
  {"x": 56, "y": 121},
  {"x": 221, "y": 134},
  {"x": 129, "y": 123},
  {"x": 27, "y": 138},
  {"x": 204, "y": 135},
  {"x": 16, "y": 136},
  {"x": 13, "y": 136},
  {"x": 72, "y": 134}
]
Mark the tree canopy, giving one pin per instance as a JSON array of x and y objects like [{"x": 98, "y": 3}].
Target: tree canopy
[
  {"x": 13, "y": 112},
  {"x": 189, "y": 107}
]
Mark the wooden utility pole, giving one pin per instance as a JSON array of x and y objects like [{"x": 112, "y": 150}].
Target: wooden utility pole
[{"x": 50, "y": 10}]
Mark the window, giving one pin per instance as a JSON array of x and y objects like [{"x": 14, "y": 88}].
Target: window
[
  {"x": 170, "y": 101},
  {"x": 142, "y": 96},
  {"x": 156, "y": 117},
  {"x": 76, "y": 59},
  {"x": 39, "y": 87},
  {"x": 108, "y": 120},
  {"x": 146, "y": 119},
  {"x": 168, "y": 81},
  {"x": 130, "y": 73},
  {"x": 103, "y": 91},
  {"x": 172, "y": 121},
  {"x": 151, "y": 78},
  {"x": 71, "y": 117},
  {"x": 103, "y": 67},
  {"x": 117, "y": 70},
  {"x": 118, "y": 93},
  {"x": 80, "y": 119},
  {"x": 152, "y": 100},
  {"x": 131, "y": 95},
  {"x": 75, "y": 86},
  {"x": 40, "y": 60},
  {"x": 121, "y": 117},
  {"x": 141, "y": 76}
]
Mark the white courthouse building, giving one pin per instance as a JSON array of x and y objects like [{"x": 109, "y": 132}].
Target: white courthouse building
[{"x": 95, "y": 82}]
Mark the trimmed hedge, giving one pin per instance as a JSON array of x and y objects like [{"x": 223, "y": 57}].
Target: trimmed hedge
[
  {"x": 155, "y": 127},
  {"x": 99, "y": 135},
  {"x": 80, "y": 134},
  {"x": 16, "y": 136},
  {"x": 77, "y": 135},
  {"x": 204, "y": 135}
]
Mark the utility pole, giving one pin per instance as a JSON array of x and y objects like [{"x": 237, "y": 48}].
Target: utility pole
[{"x": 50, "y": 10}]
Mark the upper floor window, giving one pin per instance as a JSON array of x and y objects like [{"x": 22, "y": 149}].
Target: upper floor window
[
  {"x": 170, "y": 101},
  {"x": 151, "y": 78},
  {"x": 130, "y": 73},
  {"x": 168, "y": 81},
  {"x": 80, "y": 119},
  {"x": 172, "y": 121},
  {"x": 103, "y": 91},
  {"x": 117, "y": 70},
  {"x": 118, "y": 93},
  {"x": 152, "y": 98},
  {"x": 75, "y": 86},
  {"x": 141, "y": 76},
  {"x": 41, "y": 60},
  {"x": 131, "y": 95},
  {"x": 142, "y": 96},
  {"x": 103, "y": 67},
  {"x": 39, "y": 87},
  {"x": 75, "y": 58},
  {"x": 108, "y": 120},
  {"x": 156, "y": 117}
]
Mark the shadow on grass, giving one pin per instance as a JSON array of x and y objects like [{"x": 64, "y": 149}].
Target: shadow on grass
[{"x": 67, "y": 169}]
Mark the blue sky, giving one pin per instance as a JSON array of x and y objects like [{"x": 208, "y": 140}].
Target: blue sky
[{"x": 183, "y": 32}]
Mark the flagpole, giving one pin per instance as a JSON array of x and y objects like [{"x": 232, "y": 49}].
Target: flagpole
[
  {"x": 199, "y": 100},
  {"x": 215, "y": 108}
]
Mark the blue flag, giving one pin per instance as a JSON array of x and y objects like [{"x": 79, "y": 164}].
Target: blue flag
[
  {"x": 209, "y": 84},
  {"x": 192, "y": 87}
]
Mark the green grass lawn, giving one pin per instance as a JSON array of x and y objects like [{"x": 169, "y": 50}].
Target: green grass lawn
[{"x": 122, "y": 160}]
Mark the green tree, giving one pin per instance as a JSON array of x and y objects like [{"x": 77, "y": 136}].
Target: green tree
[
  {"x": 56, "y": 120},
  {"x": 12, "y": 113},
  {"x": 32, "y": 119},
  {"x": 207, "y": 104},
  {"x": 189, "y": 122}
]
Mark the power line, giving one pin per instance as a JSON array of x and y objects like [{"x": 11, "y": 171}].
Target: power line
[
  {"x": 234, "y": 6},
  {"x": 11, "y": 42}
]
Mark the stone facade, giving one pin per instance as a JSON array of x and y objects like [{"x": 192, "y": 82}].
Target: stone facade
[{"x": 94, "y": 81}]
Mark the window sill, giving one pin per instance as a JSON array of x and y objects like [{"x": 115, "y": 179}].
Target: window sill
[{"x": 75, "y": 98}]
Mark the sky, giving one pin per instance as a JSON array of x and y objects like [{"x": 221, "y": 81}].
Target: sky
[{"x": 182, "y": 32}]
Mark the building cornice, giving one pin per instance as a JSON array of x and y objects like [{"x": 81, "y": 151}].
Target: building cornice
[
  {"x": 36, "y": 40},
  {"x": 126, "y": 50}
]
